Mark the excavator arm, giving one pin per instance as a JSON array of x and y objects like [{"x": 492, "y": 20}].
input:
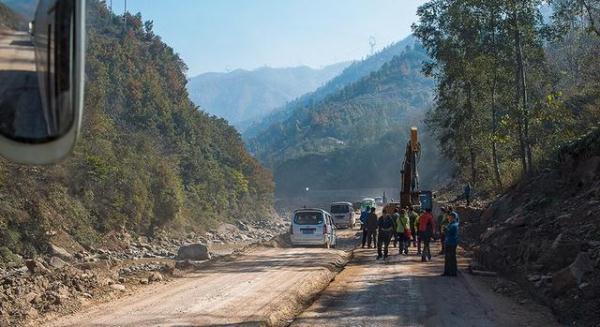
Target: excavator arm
[{"x": 409, "y": 193}]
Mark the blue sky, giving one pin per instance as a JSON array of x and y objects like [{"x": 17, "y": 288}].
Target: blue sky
[{"x": 221, "y": 35}]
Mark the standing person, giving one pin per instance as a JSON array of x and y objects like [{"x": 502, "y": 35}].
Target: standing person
[
  {"x": 442, "y": 224},
  {"x": 417, "y": 235},
  {"x": 412, "y": 217},
  {"x": 385, "y": 227},
  {"x": 467, "y": 194},
  {"x": 372, "y": 221},
  {"x": 401, "y": 230},
  {"x": 394, "y": 214},
  {"x": 450, "y": 266},
  {"x": 425, "y": 233},
  {"x": 363, "y": 225},
  {"x": 397, "y": 239}
]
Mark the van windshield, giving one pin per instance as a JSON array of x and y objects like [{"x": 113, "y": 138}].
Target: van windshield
[
  {"x": 308, "y": 218},
  {"x": 340, "y": 208}
]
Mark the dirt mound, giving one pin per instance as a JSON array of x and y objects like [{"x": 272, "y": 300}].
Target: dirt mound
[{"x": 545, "y": 233}]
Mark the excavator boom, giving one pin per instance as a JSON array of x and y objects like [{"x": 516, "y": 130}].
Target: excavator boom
[{"x": 409, "y": 192}]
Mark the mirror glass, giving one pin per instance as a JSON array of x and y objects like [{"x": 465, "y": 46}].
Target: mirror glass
[{"x": 36, "y": 96}]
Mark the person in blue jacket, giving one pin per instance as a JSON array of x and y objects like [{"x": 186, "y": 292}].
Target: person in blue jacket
[
  {"x": 450, "y": 266},
  {"x": 363, "y": 224}
]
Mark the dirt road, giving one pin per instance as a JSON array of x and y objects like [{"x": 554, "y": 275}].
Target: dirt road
[
  {"x": 271, "y": 286},
  {"x": 265, "y": 286},
  {"x": 407, "y": 292}
]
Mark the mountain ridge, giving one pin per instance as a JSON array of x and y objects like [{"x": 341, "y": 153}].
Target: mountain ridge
[
  {"x": 243, "y": 94},
  {"x": 354, "y": 72}
]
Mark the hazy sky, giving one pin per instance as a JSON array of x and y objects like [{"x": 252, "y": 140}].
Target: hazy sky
[{"x": 220, "y": 35}]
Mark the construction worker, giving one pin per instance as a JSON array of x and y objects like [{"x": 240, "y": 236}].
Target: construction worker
[
  {"x": 450, "y": 266},
  {"x": 363, "y": 224},
  {"x": 386, "y": 227},
  {"x": 372, "y": 222},
  {"x": 401, "y": 230},
  {"x": 442, "y": 224},
  {"x": 412, "y": 217},
  {"x": 426, "y": 227}
]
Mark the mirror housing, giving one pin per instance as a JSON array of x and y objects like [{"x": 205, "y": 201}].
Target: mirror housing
[{"x": 41, "y": 93}]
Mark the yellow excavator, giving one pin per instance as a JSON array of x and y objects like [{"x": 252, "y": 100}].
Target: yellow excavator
[{"x": 410, "y": 195}]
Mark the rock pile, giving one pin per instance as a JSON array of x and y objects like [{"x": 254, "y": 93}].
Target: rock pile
[{"x": 26, "y": 294}]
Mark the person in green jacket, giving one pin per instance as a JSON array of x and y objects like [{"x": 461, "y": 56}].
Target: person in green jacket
[
  {"x": 416, "y": 235},
  {"x": 402, "y": 225},
  {"x": 412, "y": 217}
]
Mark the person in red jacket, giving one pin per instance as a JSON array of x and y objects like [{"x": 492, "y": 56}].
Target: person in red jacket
[{"x": 426, "y": 228}]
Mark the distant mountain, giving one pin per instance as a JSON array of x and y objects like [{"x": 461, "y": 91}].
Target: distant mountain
[
  {"x": 351, "y": 74},
  {"x": 354, "y": 137},
  {"x": 11, "y": 19},
  {"x": 25, "y": 9},
  {"x": 243, "y": 95}
]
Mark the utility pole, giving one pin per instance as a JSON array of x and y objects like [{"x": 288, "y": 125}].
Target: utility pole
[
  {"x": 125, "y": 7},
  {"x": 372, "y": 43}
]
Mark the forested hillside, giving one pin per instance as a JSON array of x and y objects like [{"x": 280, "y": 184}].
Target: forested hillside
[
  {"x": 147, "y": 159},
  {"x": 351, "y": 74},
  {"x": 355, "y": 137},
  {"x": 510, "y": 87},
  {"x": 242, "y": 95}
]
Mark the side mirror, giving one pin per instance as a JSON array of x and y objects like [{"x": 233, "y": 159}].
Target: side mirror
[{"x": 41, "y": 80}]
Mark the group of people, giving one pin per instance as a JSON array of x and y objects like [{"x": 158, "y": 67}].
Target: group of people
[{"x": 407, "y": 227}]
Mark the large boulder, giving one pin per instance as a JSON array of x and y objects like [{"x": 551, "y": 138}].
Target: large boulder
[
  {"x": 193, "y": 252},
  {"x": 60, "y": 252},
  {"x": 56, "y": 262},
  {"x": 572, "y": 275},
  {"x": 36, "y": 266}
]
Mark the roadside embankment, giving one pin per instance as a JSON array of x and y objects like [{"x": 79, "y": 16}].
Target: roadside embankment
[{"x": 544, "y": 233}]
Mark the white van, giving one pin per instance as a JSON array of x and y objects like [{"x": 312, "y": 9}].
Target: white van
[
  {"x": 343, "y": 214},
  {"x": 312, "y": 227}
]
